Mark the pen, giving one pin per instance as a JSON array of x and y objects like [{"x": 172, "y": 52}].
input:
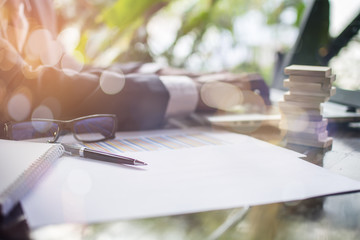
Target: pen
[{"x": 101, "y": 156}]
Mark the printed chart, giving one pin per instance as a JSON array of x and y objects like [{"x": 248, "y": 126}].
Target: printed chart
[{"x": 153, "y": 143}]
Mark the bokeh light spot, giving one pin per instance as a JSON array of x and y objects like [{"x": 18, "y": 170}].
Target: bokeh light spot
[
  {"x": 295, "y": 120},
  {"x": 42, "y": 111},
  {"x": 112, "y": 82},
  {"x": 19, "y": 107},
  {"x": 51, "y": 57},
  {"x": 69, "y": 38},
  {"x": 53, "y": 105},
  {"x": 38, "y": 41},
  {"x": 253, "y": 102},
  {"x": 223, "y": 96}
]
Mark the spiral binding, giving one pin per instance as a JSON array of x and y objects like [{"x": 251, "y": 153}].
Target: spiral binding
[{"x": 29, "y": 178}]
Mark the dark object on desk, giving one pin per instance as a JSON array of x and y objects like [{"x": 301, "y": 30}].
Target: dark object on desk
[
  {"x": 315, "y": 46},
  {"x": 91, "y": 128},
  {"x": 102, "y": 156},
  {"x": 14, "y": 225}
]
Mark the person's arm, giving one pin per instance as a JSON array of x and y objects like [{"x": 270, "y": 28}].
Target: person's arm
[
  {"x": 139, "y": 104},
  {"x": 252, "y": 82}
]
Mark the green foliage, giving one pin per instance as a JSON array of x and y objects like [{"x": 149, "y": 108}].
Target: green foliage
[
  {"x": 127, "y": 13},
  {"x": 123, "y": 25},
  {"x": 274, "y": 16}
]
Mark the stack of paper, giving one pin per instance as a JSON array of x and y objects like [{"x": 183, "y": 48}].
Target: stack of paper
[
  {"x": 188, "y": 171},
  {"x": 301, "y": 110}
]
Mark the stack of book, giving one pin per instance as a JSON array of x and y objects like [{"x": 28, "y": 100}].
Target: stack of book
[{"x": 301, "y": 110}]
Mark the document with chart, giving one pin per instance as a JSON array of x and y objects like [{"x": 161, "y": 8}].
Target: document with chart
[{"x": 191, "y": 170}]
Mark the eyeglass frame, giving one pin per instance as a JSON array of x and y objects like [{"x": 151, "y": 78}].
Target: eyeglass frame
[{"x": 65, "y": 125}]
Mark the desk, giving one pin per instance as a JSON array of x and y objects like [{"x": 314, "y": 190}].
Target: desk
[{"x": 331, "y": 217}]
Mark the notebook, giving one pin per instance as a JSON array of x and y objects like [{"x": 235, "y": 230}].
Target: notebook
[{"x": 21, "y": 166}]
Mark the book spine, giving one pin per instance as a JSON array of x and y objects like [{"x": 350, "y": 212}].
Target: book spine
[{"x": 26, "y": 181}]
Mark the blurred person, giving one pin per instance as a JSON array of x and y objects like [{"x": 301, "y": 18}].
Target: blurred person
[{"x": 39, "y": 79}]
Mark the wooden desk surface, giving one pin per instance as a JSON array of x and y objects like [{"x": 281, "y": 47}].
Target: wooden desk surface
[{"x": 330, "y": 217}]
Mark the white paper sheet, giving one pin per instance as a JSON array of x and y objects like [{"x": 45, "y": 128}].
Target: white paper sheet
[{"x": 242, "y": 171}]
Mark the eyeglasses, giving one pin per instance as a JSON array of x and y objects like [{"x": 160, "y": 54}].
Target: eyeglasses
[{"x": 90, "y": 128}]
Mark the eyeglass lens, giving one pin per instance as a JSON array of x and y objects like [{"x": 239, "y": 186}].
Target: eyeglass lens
[
  {"x": 94, "y": 129},
  {"x": 34, "y": 129}
]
